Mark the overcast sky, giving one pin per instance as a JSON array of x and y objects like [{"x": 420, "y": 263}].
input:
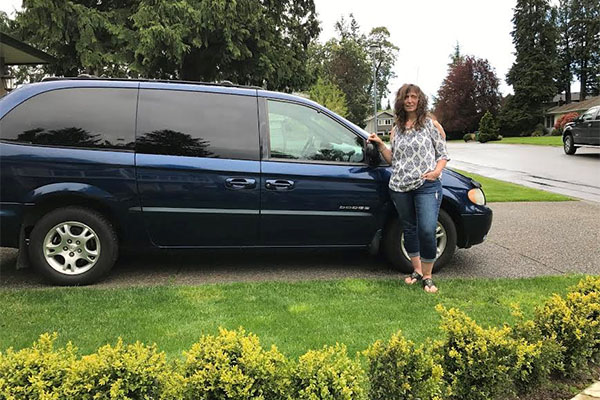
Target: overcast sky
[{"x": 426, "y": 31}]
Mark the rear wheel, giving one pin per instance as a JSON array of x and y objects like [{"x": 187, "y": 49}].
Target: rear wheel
[
  {"x": 73, "y": 246},
  {"x": 569, "y": 145},
  {"x": 395, "y": 252}
]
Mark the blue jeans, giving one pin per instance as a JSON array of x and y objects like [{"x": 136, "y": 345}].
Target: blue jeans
[{"x": 418, "y": 211}]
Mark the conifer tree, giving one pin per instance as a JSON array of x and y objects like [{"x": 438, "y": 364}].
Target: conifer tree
[{"x": 535, "y": 69}]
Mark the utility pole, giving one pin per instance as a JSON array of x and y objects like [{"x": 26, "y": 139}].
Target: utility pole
[{"x": 373, "y": 48}]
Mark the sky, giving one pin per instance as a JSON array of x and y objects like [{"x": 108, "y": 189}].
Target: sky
[{"x": 426, "y": 31}]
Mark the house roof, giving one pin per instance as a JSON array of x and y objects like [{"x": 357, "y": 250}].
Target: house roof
[
  {"x": 15, "y": 52},
  {"x": 562, "y": 97},
  {"x": 388, "y": 113},
  {"x": 578, "y": 106}
]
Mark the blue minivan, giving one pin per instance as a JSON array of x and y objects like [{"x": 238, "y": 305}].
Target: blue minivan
[{"x": 91, "y": 166}]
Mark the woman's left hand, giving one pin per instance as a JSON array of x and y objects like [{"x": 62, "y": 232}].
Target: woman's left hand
[{"x": 431, "y": 175}]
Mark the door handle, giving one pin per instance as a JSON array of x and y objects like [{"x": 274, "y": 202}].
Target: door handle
[
  {"x": 279, "y": 184},
  {"x": 240, "y": 183}
]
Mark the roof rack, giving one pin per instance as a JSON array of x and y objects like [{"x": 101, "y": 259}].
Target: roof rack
[{"x": 93, "y": 77}]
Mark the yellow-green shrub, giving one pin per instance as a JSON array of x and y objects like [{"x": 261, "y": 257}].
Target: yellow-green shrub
[
  {"x": 574, "y": 321},
  {"x": 231, "y": 365},
  {"x": 328, "y": 374},
  {"x": 482, "y": 363},
  {"x": 587, "y": 285},
  {"x": 37, "y": 372},
  {"x": 536, "y": 362},
  {"x": 121, "y": 372},
  {"x": 400, "y": 370}
]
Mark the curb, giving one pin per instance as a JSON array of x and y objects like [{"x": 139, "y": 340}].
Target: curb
[{"x": 591, "y": 393}]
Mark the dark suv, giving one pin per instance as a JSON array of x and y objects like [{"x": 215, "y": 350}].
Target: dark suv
[
  {"x": 89, "y": 166},
  {"x": 583, "y": 131}
]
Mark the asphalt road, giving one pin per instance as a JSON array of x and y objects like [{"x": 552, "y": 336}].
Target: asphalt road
[
  {"x": 540, "y": 167},
  {"x": 526, "y": 240}
]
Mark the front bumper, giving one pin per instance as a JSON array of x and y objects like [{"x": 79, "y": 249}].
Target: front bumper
[{"x": 475, "y": 227}]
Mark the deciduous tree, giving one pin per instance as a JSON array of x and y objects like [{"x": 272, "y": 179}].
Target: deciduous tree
[{"x": 467, "y": 93}]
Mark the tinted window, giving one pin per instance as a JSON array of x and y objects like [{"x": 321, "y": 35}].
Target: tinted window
[
  {"x": 301, "y": 133},
  {"x": 589, "y": 114},
  {"x": 196, "y": 124},
  {"x": 81, "y": 117}
]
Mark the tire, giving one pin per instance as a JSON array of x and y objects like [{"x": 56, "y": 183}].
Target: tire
[
  {"x": 569, "y": 145},
  {"x": 73, "y": 246},
  {"x": 394, "y": 251}
]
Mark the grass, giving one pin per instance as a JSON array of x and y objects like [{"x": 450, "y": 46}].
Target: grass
[
  {"x": 500, "y": 191},
  {"x": 537, "y": 140},
  {"x": 295, "y": 316}
]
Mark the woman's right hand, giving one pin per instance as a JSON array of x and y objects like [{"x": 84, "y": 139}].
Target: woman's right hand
[{"x": 376, "y": 140}]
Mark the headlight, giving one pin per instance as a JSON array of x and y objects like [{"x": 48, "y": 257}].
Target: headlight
[{"x": 476, "y": 196}]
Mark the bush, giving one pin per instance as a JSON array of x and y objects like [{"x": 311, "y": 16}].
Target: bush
[
  {"x": 37, "y": 372},
  {"x": 537, "y": 133},
  {"x": 555, "y": 132},
  {"x": 121, "y": 372},
  {"x": 328, "y": 374},
  {"x": 399, "y": 370},
  {"x": 574, "y": 322},
  {"x": 488, "y": 129},
  {"x": 565, "y": 119},
  {"x": 385, "y": 138},
  {"x": 469, "y": 137},
  {"x": 482, "y": 363},
  {"x": 232, "y": 365}
]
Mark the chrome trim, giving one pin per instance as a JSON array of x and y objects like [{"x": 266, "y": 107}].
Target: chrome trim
[
  {"x": 317, "y": 213},
  {"x": 195, "y": 210}
]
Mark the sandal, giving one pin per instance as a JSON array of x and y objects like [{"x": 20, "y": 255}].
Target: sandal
[
  {"x": 414, "y": 277},
  {"x": 428, "y": 283}
]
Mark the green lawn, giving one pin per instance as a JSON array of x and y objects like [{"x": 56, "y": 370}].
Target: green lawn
[
  {"x": 295, "y": 316},
  {"x": 538, "y": 140},
  {"x": 500, "y": 191}
]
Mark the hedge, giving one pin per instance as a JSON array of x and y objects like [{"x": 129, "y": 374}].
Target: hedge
[{"x": 470, "y": 362}]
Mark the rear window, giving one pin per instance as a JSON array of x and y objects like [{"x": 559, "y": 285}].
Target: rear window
[
  {"x": 197, "y": 124},
  {"x": 97, "y": 118}
]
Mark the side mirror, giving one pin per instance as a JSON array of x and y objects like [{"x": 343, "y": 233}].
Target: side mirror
[{"x": 372, "y": 154}]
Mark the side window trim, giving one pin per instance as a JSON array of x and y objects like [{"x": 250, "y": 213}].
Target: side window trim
[{"x": 265, "y": 134}]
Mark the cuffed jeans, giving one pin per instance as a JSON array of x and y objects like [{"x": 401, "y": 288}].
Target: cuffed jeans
[{"x": 418, "y": 211}]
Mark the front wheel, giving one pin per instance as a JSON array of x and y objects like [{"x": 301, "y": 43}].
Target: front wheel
[
  {"x": 569, "y": 145},
  {"x": 73, "y": 246},
  {"x": 395, "y": 252}
]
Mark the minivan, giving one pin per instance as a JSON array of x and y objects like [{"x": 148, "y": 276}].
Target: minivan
[{"x": 89, "y": 167}]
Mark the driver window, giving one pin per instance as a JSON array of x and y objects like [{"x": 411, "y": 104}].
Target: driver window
[{"x": 302, "y": 133}]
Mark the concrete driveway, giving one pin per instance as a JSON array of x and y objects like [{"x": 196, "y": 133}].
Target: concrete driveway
[
  {"x": 541, "y": 167},
  {"x": 526, "y": 240}
]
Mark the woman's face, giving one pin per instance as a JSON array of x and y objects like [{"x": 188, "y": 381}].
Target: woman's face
[{"x": 411, "y": 101}]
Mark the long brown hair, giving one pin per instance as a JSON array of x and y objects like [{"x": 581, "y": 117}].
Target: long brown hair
[{"x": 399, "y": 113}]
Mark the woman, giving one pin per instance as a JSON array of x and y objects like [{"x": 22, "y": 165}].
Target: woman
[{"x": 418, "y": 155}]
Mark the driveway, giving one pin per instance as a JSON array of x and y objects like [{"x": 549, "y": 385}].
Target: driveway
[
  {"x": 541, "y": 167},
  {"x": 526, "y": 240}
]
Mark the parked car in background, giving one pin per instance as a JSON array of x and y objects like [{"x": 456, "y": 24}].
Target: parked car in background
[
  {"x": 583, "y": 131},
  {"x": 92, "y": 166}
]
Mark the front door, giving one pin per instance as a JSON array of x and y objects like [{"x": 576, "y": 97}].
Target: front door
[
  {"x": 197, "y": 166},
  {"x": 317, "y": 189}
]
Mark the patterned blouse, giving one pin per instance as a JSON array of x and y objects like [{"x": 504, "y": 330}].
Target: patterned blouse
[{"x": 414, "y": 153}]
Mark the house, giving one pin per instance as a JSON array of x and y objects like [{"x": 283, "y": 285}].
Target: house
[
  {"x": 385, "y": 122},
  {"x": 554, "y": 113},
  {"x": 15, "y": 52}
]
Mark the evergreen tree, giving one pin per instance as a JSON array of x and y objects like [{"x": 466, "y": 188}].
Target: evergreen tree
[
  {"x": 532, "y": 75},
  {"x": 329, "y": 95},
  {"x": 565, "y": 49},
  {"x": 259, "y": 42},
  {"x": 384, "y": 58},
  {"x": 585, "y": 22}
]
